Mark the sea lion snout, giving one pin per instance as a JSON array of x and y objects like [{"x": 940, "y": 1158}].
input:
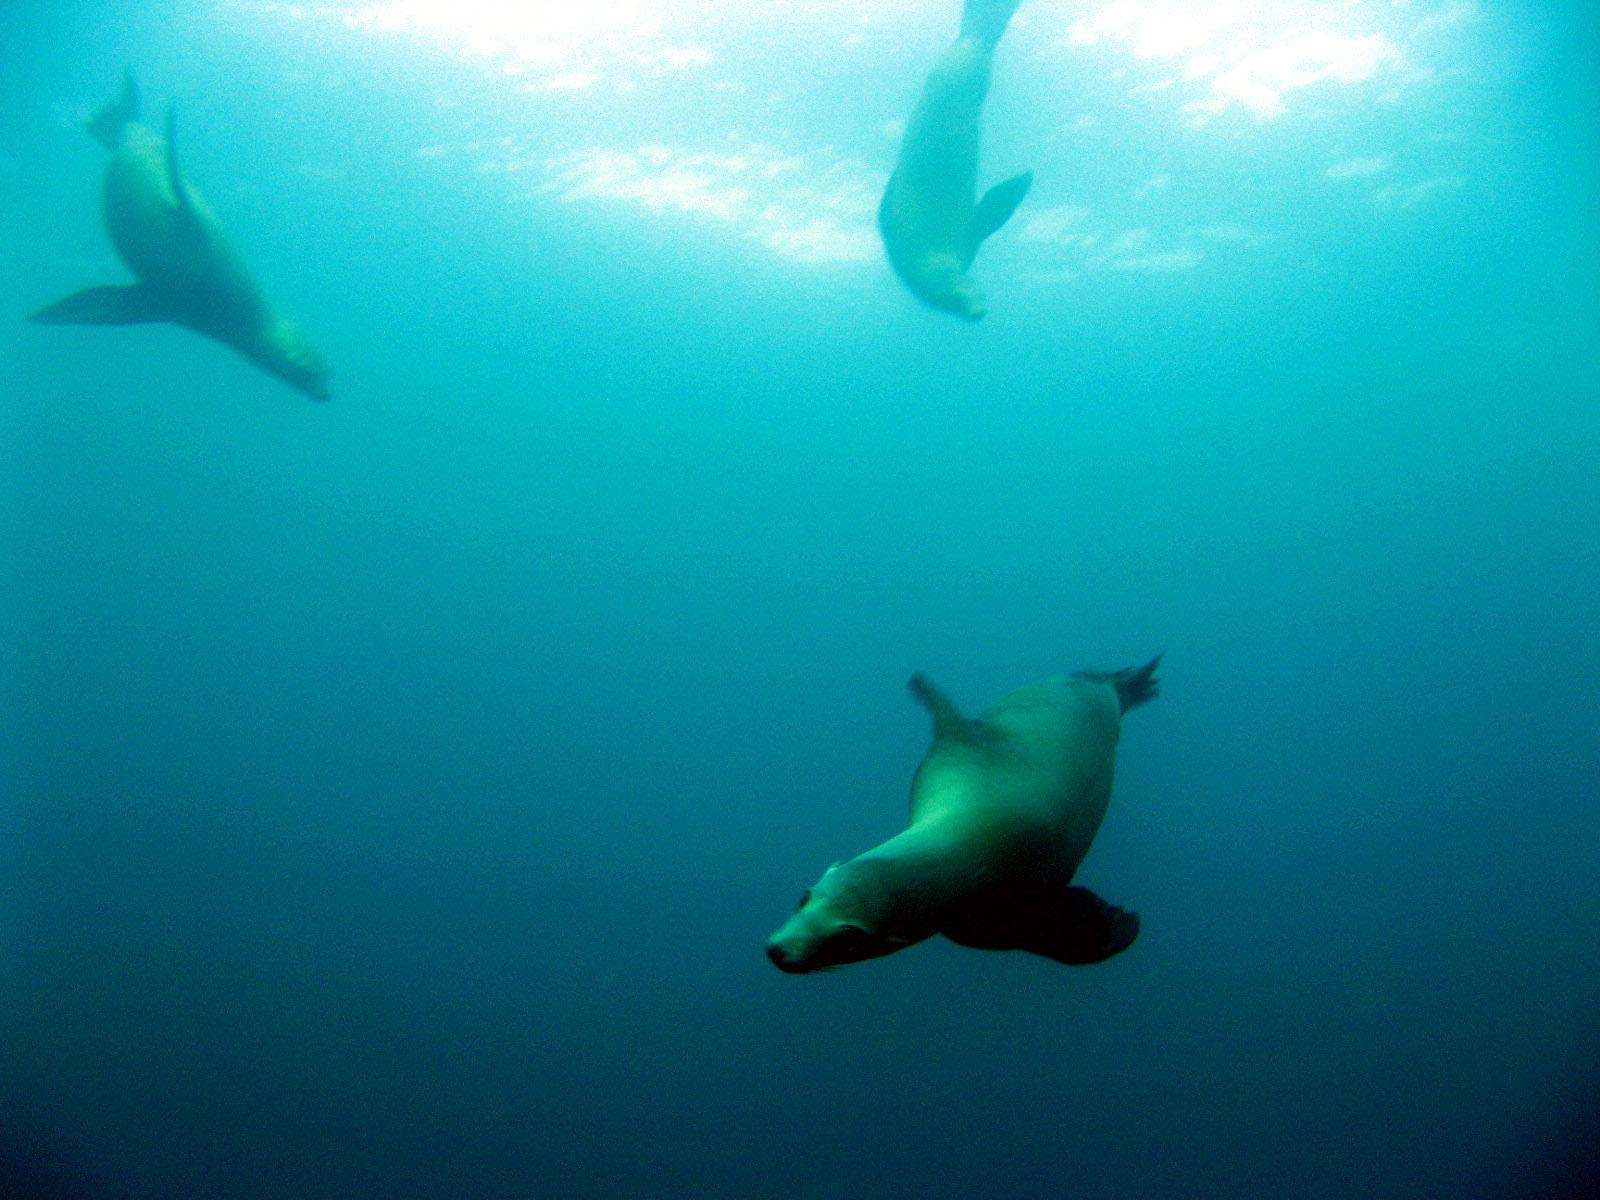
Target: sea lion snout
[
  {"x": 817, "y": 938},
  {"x": 794, "y": 948},
  {"x": 285, "y": 352},
  {"x": 963, "y": 298},
  {"x": 782, "y": 960}
]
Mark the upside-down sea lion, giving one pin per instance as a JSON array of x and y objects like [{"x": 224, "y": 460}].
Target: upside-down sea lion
[
  {"x": 930, "y": 224},
  {"x": 1003, "y": 809},
  {"x": 188, "y": 273}
]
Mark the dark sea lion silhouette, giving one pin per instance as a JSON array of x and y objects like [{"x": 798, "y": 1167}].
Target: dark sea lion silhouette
[
  {"x": 1003, "y": 809},
  {"x": 188, "y": 273},
  {"x": 931, "y": 225}
]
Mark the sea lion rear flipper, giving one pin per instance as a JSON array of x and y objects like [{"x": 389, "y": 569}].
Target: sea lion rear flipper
[
  {"x": 987, "y": 19},
  {"x": 997, "y": 205},
  {"x": 109, "y": 305},
  {"x": 947, "y": 718},
  {"x": 1084, "y": 929}
]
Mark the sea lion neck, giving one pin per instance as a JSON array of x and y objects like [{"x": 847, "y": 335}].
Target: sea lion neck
[{"x": 905, "y": 884}]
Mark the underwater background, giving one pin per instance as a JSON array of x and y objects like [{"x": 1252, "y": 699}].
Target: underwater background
[{"x": 398, "y": 792}]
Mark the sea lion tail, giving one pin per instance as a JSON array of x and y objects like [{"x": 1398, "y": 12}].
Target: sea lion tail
[
  {"x": 106, "y": 124},
  {"x": 986, "y": 20},
  {"x": 1134, "y": 685}
]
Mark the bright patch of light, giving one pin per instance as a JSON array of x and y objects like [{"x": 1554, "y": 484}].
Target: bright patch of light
[
  {"x": 1150, "y": 187},
  {"x": 610, "y": 39},
  {"x": 1409, "y": 196},
  {"x": 639, "y": 68},
  {"x": 1062, "y": 224},
  {"x": 1250, "y": 54},
  {"x": 530, "y": 28},
  {"x": 1164, "y": 261},
  {"x": 1233, "y": 235},
  {"x": 1070, "y": 241},
  {"x": 801, "y": 210},
  {"x": 1357, "y": 168},
  {"x": 567, "y": 45}
]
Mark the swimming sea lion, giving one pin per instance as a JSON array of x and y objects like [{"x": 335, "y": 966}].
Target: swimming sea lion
[
  {"x": 188, "y": 274},
  {"x": 1003, "y": 809},
  {"x": 931, "y": 227}
]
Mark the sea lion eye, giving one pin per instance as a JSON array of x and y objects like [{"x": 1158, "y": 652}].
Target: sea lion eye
[{"x": 805, "y": 899}]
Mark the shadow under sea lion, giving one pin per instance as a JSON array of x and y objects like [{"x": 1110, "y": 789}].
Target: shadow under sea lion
[
  {"x": 1003, "y": 809},
  {"x": 930, "y": 224},
  {"x": 188, "y": 273}
]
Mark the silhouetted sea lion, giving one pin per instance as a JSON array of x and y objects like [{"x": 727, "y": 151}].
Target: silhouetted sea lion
[
  {"x": 188, "y": 274},
  {"x": 1003, "y": 809},
  {"x": 931, "y": 226}
]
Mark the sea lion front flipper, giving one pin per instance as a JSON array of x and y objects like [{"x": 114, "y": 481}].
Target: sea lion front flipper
[
  {"x": 1069, "y": 924},
  {"x": 109, "y": 120},
  {"x": 997, "y": 205},
  {"x": 947, "y": 718},
  {"x": 886, "y": 199},
  {"x": 175, "y": 176},
  {"x": 109, "y": 305},
  {"x": 1082, "y": 928},
  {"x": 189, "y": 225}
]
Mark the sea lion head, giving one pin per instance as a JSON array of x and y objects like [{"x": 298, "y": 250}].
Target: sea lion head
[
  {"x": 840, "y": 920},
  {"x": 943, "y": 283},
  {"x": 285, "y": 352}
]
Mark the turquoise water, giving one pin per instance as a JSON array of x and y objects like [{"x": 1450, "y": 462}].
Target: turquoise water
[{"x": 400, "y": 790}]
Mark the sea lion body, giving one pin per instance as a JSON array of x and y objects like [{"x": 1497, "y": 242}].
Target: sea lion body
[
  {"x": 931, "y": 222},
  {"x": 1003, "y": 810},
  {"x": 188, "y": 272}
]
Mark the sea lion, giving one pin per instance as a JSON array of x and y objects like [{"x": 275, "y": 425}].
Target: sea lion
[
  {"x": 1003, "y": 809},
  {"x": 188, "y": 273},
  {"x": 931, "y": 227}
]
